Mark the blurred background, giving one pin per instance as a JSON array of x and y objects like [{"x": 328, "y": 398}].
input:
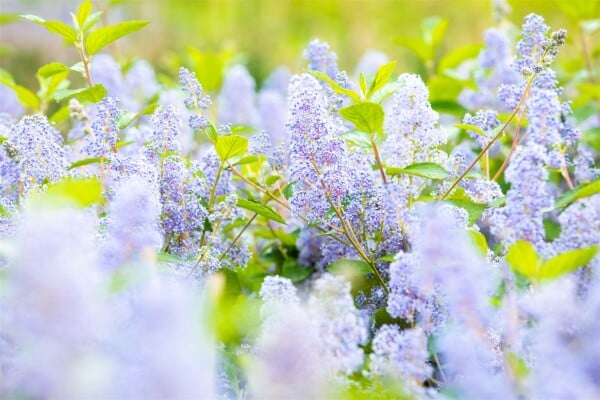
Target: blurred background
[{"x": 262, "y": 33}]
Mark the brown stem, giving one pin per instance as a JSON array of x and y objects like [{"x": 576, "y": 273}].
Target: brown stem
[
  {"x": 237, "y": 237},
  {"x": 377, "y": 158},
  {"x": 513, "y": 146},
  {"x": 496, "y": 137}
]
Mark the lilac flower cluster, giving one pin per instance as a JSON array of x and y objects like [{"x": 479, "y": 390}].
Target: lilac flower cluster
[
  {"x": 105, "y": 130},
  {"x": 31, "y": 156}
]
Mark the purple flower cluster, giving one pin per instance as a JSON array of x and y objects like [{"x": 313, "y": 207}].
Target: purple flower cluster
[
  {"x": 105, "y": 130},
  {"x": 31, "y": 156}
]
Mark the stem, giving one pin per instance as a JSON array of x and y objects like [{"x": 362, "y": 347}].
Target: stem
[
  {"x": 213, "y": 189},
  {"x": 565, "y": 172},
  {"x": 513, "y": 146},
  {"x": 237, "y": 237},
  {"x": 586, "y": 55},
  {"x": 496, "y": 137},
  {"x": 487, "y": 164},
  {"x": 85, "y": 60},
  {"x": 348, "y": 232},
  {"x": 254, "y": 185},
  {"x": 377, "y": 158},
  {"x": 439, "y": 365}
]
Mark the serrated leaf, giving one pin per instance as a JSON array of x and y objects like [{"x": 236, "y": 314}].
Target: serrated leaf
[
  {"x": 523, "y": 259},
  {"x": 231, "y": 146},
  {"x": 580, "y": 192},
  {"x": 382, "y": 77},
  {"x": 57, "y": 27},
  {"x": 26, "y": 97},
  {"x": 566, "y": 262},
  {"x": 83, "y": 12},
  {"x": 260, "y": 209},
  {"x": 48, "y": 70},
  {"x": 367, "y": 116},
  {"x": 425, "y": 170},
  {"x": 336, "y": 87},
  {"x": 102, "y": 37},
  {"x": 91, "y": 94},
  {"x": 91, "y": 21}
]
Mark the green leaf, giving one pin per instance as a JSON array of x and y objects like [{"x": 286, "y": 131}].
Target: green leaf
[
  {"x": 336, "y": 87},
  {"x": 6, "y": 18},
  {"x": 578, "y": 9},
  {"x": 517, "y": 365},
  {"x": 91, "y": 21},
  {"x": 580, "y": 192},
  {"x": 523, "y": 259},
  {"x": 85, "y": 161},
  {"x": 294, "y": 271},
  {"x": 458, "y": 56},
  {"x": 127, "y": 118},
  {"x": 57, "y": 27},
  {"x": 425, "y": 170},
  {"x": 231, "y": 146},
  {"x": 102, "y": 37},
  {"x": 60, "y": 115},
  {"x": 473, "y": 209},
  {"x": 78, "y": 192},
  {"x": 48, "y": 70},
  {"x": 433, "y": 29},
  {"x": 551, "y": 229},
  {"x": 349, "y": 268},
  {"x": 383, "y": 75},
  {"x": 83, "y": 12},
  {"x": 385, "y": 91},
  {"x": 272, "y": 179},
  {"x": 479, "y": 241},
  {"x": 170, "y": 259},
  {"x": 26, "y": 97},
  {"x": 469, "y": 127},
  {"x": 359, "y": 138},
  {"x": 567, "y": 262},
  {"x": 357, "y": 265},
  {"x": 363, "y": 83},
  {"x": 288, "y": 190},
  {"x": 367, "y": 117},
  {"x": 417, "y": 45},
  {"x": 209, "y": 67},
  {"x": 85, "y": 95},
  {"x": 260, "y": 209}
]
